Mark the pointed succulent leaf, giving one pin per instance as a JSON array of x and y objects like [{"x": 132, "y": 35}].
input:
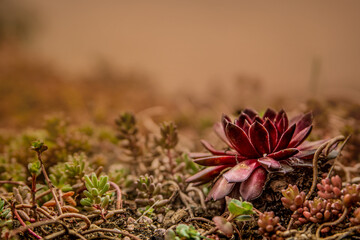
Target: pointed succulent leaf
[
  {"x": 259, "y": 137},
  {"x": 285, "y": 138},
  {"x": 240, "y": 141},
  {"x": 212, "y": 150},
  {"x": 270, "y": 114},
  {"x": 241, "y": 171},
  {"x": 273, "y": 133},
  {"x": 300, "y": 137},
  {"x": 207, "y": 174},
  {"x": 182, "y": 230},
  {"x": 250, "y": 112},
  {"x": 218, "y": 160},
  {"x": 242, "y": 119},
  {"x": 283, "y": 154},
  {"x": 304, "y": 122},
  {"x": 254, "y": 185},
  {"x": 224, "y": 226},
  {"x": 220, "y": 189}
]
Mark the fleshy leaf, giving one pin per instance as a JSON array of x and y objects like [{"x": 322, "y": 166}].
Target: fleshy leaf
[
  {"x": 240, "y": 141},
  {"x": 219, "y": 130},
  {"x": 244, "y": 218},
  {"x": 220, "y": 189},
  {"x": 285, "y": 138},
  {"x": 270, "y": 114},
  {"x": 241, "y": 120},
  {"x": 237, "y": 207},
  {"x": 254, "y": 185},
  {"x": 211, "y": 149},
  {"x": 273, "y": 134},
  {"x": 223, "y": 225},
  {"x": 241, "y": 171},
  {"x": 218, "y": 160},
  {"x": 269, "y": 163},
  {"x": 207, "y": 174},
  {"x": 300, "y": 137},
  {"x": 283, "y": 154},
  {"x": 304, "y": 122},
  {"x": 259, "y": 138},
  {"x": 251, "y": 113}
]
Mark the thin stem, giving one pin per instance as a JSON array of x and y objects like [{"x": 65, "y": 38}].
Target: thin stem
[
  {"x": 118, "y": 195},
  {"x": 343, "y": 234},
  {"x": 12, "y": 182},
  {"x": 37, "y": 209},
  {"x": 117, "y": 231},
  {"x": 22, "y": 223},
  {"x": 76, "y": 215},
  {"x": 50, "y": 185},
  {"x": 33, "y": 197},
  {"x": 339, "y": 220},
  {"x": 337, "y": 157}
]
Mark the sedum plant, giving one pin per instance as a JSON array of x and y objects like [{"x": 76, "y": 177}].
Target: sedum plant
[
  {"x": 96, "y": 197},
  {"x": 258, "y": 146},
  {"x": 5, "y": 215}
]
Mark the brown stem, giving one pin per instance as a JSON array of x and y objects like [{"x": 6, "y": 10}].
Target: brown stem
[
  {"x": 50, "y": 185},
  {"x": 22, "y": 223},
  {"x": 118, "y": 195},
  {"x": 315, "y": 162},
  {"x": 43, "y": 194},
  {"x": 76, "y": 215},
  {"x": 37, "y": 209},
  {"x": 339, "y": 220},
  {"x": 33, "y": 197},
  {"x": 117, "y": 231},
  {"x": 343, "y": 234},
  {"x": 62, "y": 232},
  {"x": 12, "y": 182},
  {"x": 200, "y": 219}
]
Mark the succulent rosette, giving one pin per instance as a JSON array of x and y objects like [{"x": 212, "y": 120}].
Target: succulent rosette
[{"x": 257, "y": 146}]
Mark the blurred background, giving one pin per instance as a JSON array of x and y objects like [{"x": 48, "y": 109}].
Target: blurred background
[{"x": 176, "y": 59}]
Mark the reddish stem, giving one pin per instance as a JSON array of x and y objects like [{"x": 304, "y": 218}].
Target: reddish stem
[
  {"x": 118, "y": 195},
  {"x": 22, "y": 223}
]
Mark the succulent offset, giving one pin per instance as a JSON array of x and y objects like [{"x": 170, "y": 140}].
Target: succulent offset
[{"x": 258, "y": 146}]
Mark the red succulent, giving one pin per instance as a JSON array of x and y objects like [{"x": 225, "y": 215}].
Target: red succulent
[{"x": 258, "y": 145}]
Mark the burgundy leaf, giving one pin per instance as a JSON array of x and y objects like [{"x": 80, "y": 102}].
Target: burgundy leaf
[
  {"x": 304, "y": 122},
  {"x": 285, "y": 138},
  {"x": 311, "y": 145},
  {"x": 283, "y": 154},
  {"x": 300, "y": 137},
  {"x": 251, "y": 113},
  {"x": 270, "y": 114},
  {"x": 246, "y": 127},
  {"x": 279, "y": 115},
  {"x": 241, "y": 171},
  {"x": 241, "y": 120},
  {"x": 220, "y": 189},
  {"x": 219, "y": 160},
  {"x": 219, "y": 130},
  {"x": 211, "y": 149},
  {"x": 259, "y": 137},
  {"x": 254, "y": 185},
  {"x": 306, "y": 154},
  {"x": 273, "y": 134},
  {"x": 207, "y": 174},
  {"x": 258, "y": 119},
  {"x": 195, "y": 155},
  {"x": 240, "y": 141},
  {"x": 269, "y": 163},
  {"x": 223, "y": 225},
  {"x": 225, "y": 120}
]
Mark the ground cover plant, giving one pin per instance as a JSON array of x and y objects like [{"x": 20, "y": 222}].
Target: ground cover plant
[{"x": 270, "y": 180}]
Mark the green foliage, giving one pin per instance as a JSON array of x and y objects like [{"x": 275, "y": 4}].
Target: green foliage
[
  {"x": 35, "y": 168},
  {"x": 239, "y": 208},
  {"x": 38, "y": 146},
  {"x": 169, "y": 137},
  {"x": 5, "y": 215},
  {"x": 127, "y": 133},
  {"x": 75, "y": 167},
  {"x": 190, "y": 166},
  {"x": 96, "y": 191},
  {"x": 183, "y": 231}
]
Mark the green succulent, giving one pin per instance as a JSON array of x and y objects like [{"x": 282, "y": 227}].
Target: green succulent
[
  {"x": 96, "y": 196},
  {"x": 35, "y": 168},
  {"x": 184, "y": 231},
  {"x": 75, "y": 167},
  {"x": 5, "y": 215}
]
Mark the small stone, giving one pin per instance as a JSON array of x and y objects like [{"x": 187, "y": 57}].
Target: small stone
[{"x": 130, "y": 227}]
